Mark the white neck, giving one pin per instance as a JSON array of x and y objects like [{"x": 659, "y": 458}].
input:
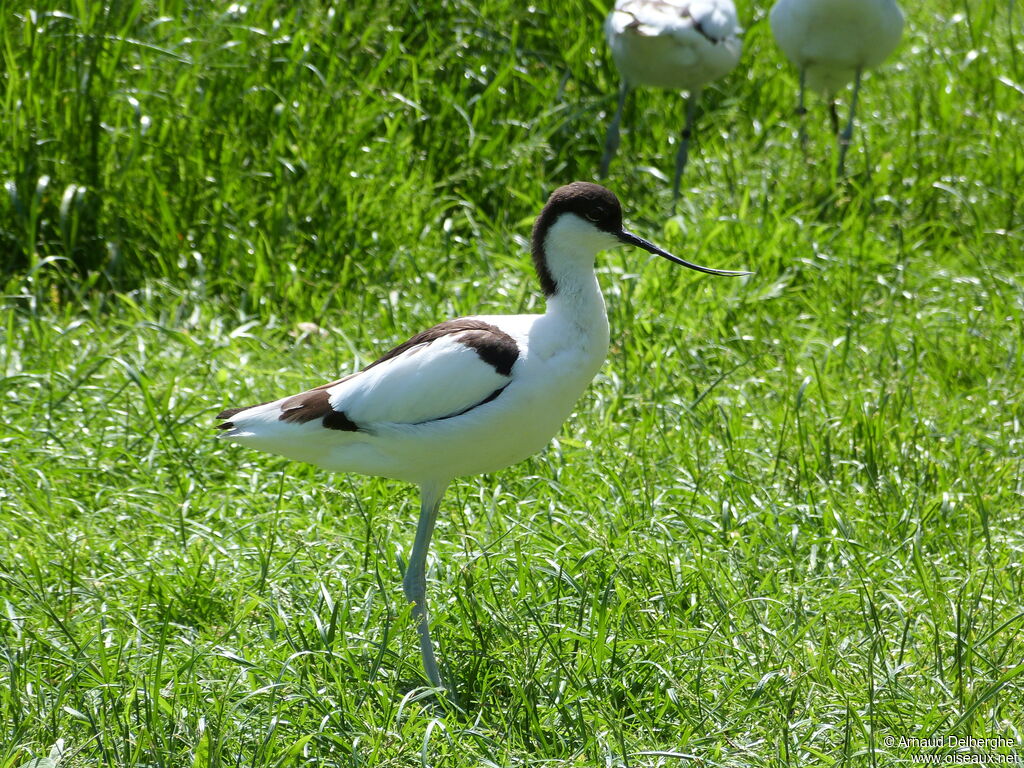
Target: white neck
[{"x": 570, "y": 247}]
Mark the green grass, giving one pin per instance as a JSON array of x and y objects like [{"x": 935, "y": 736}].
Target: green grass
[{"x": 784, "y": 524}]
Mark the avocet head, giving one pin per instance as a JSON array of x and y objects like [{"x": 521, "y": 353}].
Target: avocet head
[{"x": 581, "y": 219}]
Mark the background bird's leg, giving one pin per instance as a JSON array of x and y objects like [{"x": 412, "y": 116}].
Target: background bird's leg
[
  {"x": 415, "y": 581},
  {"x": 847, "y": 134},
  {"x": 801, "y": 110},
  {"x": 833, "y": 115},
  {"x": 684, "y": 145},
  {"x": 611, "y": 141}
]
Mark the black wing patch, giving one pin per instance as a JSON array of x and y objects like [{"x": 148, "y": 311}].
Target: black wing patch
[{"x": 315, "y": 404}]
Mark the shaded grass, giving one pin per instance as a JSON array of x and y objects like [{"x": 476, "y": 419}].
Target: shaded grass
[{"x": 783, "y": 525}]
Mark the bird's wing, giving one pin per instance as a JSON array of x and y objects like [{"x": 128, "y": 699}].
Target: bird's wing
[
  {"x": 442, "y": 372},
  {"x": 685, "y": 20},
  {"x": 715, "y": 20}
]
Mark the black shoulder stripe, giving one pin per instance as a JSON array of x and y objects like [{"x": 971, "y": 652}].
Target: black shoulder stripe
[{"x": 496, "y": 348}]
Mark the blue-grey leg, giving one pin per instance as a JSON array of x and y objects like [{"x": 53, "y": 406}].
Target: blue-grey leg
[
  {"x": 801, "y": 110},
  {"x": 415, "y": 581},
  {"x": 692, "y": 104},
  {"x": 611, "y": 140},
  {"x": 847, "y": 134},
  {"x": 833, "y": 116}
]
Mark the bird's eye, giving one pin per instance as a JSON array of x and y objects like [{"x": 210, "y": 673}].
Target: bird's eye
[{"x": 594, "y": 216}]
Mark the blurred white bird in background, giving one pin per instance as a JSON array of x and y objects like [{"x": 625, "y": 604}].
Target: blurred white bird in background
[
  {"x": 676, "y": 44},
  {"x": 832, "y": 42}
]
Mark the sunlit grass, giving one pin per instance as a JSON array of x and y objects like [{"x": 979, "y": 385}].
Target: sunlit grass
[{"x": 784, "y": 524}]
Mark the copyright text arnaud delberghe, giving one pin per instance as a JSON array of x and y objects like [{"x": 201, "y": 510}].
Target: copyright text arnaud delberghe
[{"x": 982, "y": 751}]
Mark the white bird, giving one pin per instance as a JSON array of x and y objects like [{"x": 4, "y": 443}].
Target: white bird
[
  {"x": 680, "y": 45},
  {"x": 468, "y": 396},
  {"x": 832, "y": 42}
]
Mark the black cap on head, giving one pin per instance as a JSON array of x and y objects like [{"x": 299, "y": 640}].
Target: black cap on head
[{"x": 590, "y": 202}]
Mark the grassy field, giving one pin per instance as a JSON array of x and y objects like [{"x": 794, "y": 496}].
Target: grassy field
[{"x": 785, "y": 526}]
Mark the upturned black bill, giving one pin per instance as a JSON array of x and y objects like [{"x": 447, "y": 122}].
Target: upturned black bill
[{"x": 630, "y": 239}]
